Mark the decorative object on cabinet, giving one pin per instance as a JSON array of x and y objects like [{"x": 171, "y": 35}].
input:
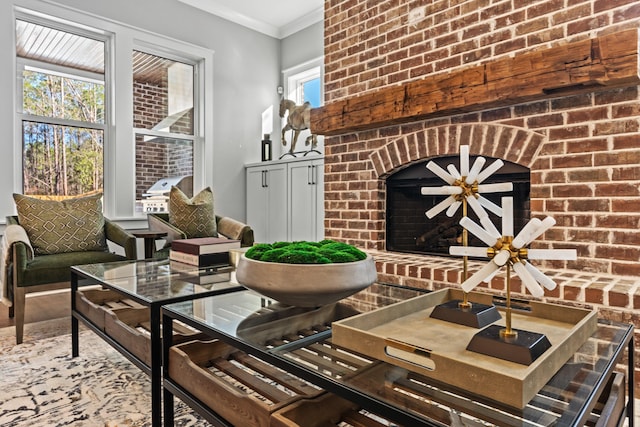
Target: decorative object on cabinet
[
  {"x": 298, "y": 119},
  {"x": 306, "y": 274},
  {"x": 267, "y": 152}
]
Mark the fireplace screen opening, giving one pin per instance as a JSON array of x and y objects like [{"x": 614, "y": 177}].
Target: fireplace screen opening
[{"x": 409, "y": 230}]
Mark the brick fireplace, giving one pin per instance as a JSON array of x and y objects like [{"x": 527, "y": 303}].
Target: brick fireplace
[{"x": 406, "y": 82}]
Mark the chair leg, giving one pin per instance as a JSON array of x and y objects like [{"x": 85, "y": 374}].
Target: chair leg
[
  {"x": 11, "y": 312},
  {"x": 18, "y": 306}
]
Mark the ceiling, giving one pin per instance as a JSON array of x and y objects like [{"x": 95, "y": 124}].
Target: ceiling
[{"x": 276, "y": 18}]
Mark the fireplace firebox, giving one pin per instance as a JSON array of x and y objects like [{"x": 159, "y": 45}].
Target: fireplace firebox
[{"x": 409, "y": 230}]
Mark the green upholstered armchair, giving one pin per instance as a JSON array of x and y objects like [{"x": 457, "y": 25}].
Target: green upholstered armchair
[
  {"x": 227, "y": 227},
  {"x": 48, "y": 272}
]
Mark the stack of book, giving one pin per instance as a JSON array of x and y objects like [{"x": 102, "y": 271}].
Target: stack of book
[
  {"x": 203, "y": 251},
  {"x": 201, "y": 275}
]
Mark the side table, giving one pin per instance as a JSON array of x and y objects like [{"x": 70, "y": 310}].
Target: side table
[{"x": 150, "y": 238}]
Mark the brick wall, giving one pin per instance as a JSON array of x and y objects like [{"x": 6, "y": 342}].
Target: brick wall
[
  {"x": 159, "y": 158},
  {"x": 583, "y": 150}
]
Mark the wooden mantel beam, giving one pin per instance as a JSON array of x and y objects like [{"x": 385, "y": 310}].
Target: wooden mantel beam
[{"x": 609, "y": 61}]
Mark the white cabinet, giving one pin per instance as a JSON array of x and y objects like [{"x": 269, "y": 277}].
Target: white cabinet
[
  {"x": 285, "y": 200},
  {"x": 267, "y": 201},
  {"x": 306, "y": 200}
]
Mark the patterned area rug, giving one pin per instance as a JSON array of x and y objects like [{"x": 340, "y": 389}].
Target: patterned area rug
[{"x": 41, "y": 385}]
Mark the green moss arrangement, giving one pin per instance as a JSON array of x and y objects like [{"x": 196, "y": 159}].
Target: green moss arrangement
[{"x": 302, "y": 252}]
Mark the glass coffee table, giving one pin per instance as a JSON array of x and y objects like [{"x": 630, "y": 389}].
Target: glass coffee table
[
  {"x": 139, "y": 288},
  {"x": 587, "y": 390}
]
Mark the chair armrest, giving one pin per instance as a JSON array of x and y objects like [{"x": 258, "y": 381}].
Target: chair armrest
[
  {"x": 120, "y": 236},
  {"x": 19, "y": 260},
  {"x": 234, "y": 229},
  {"x": 21, "y": 253},
  {"x": 157, "y": 223}
]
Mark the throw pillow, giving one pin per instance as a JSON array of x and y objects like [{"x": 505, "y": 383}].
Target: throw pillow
[
  {"x": 193, "y": 216},
  {"x": 70, "y": 225}
]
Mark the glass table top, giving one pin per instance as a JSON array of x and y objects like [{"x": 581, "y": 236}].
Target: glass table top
[
  {"x": 302, "y": 338},
  {"x": 161, "y": 280}
]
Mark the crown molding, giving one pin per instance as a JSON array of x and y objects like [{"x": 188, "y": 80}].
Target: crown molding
[{"x": 255, "y": 24}]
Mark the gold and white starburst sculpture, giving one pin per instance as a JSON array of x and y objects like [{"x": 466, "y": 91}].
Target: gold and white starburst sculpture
[
  {"x": 465, "y": 186},
  {"x": 505, "y": 250}
]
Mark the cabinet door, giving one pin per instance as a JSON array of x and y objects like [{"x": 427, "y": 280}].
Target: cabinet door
[
  {"x": 319, "y": 186},
  {"x": 305, "y": 191},
  {"x": 266, "y": 202},
  {"x": 256, "y": 202},
  {"x": 276, "y": 208}
]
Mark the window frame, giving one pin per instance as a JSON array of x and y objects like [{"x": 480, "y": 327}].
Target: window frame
[
  {"x": 195, "y": 138},
  {"x": 295, "y": 76},
  {"x": 119, "y": 135}
]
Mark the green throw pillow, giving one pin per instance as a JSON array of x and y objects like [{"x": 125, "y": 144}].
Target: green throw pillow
[
  {"x": 70, "y": 225},
  {"x": 193, "y": 216}
]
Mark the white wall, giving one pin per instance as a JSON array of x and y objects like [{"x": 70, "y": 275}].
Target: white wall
[
  {"x": 245, "y": 76},
  {"x": 303, "y": 46}
]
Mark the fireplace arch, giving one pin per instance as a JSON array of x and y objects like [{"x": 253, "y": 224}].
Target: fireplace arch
[{"x": 510, "y": 143}]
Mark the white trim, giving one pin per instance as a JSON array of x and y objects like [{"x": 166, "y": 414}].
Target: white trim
[
  {"x": 60, "y": 71},
  {"x": 61, "y": 122},
  {"x": 302, "y": 72},
  {"x": 301, "y": 23},
  {"x": 315, "y": 62},
  {"x": 264, "y": 27}
]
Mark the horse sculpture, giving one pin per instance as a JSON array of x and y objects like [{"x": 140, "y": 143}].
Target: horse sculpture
[{"x": 298, "y": 120}]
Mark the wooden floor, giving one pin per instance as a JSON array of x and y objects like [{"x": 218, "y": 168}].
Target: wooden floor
[{"x": 39, "y": 307}]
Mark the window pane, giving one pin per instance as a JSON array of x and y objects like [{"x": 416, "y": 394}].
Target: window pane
[
  {"x": 311, "y": 92},
  {"x": 163, "y": 94},
  {"x": 51, "y": 95},
  {"x": 61, "y": 160},
  {"x": 60, "y": 48},
  {"x": 63, "y": 79},
  {"x": 160, "y": 163}
]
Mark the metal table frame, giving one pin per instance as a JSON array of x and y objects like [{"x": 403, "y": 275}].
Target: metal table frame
[
  {"x": 366, "y": 401},
  {"x": 155, "y": 369}
]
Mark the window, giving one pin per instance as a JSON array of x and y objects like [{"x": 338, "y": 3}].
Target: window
[
  {"x": 163, "y": 117},
  {"x": 61, "y": 111},
  {"x": 105, "y": 108},
  {"x": 305, "y": 86}
]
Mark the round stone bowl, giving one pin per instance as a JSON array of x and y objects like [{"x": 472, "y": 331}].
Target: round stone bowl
[{"x": 306, "y": 285}]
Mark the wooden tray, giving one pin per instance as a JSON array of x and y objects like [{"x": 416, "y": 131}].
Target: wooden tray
[
  {"x": 324, "y": 411},
  {"x": 242, "y": 389},
  {"x": 404, "y": 335},
  {"x": 95, "y": 303},
  {"x": 131, "y": 328}
]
